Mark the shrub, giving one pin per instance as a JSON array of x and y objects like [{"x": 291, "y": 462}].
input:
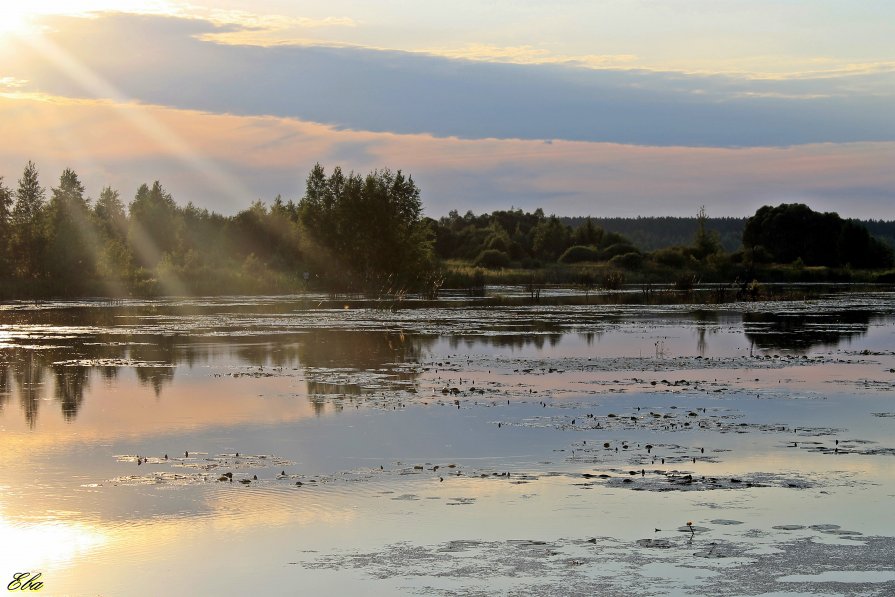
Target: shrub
[
  {"x": 492, "y": 259},
  {"x": 629, "y": 261},
  {"x": 670, "y": 257},
  {"x": 499, "y": 243},
  {"x": 579, "y": 253},
  {"x": 618, "y": 249}
]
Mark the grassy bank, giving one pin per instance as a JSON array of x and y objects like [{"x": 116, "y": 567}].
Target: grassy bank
[{"x": 463, "y": 275}]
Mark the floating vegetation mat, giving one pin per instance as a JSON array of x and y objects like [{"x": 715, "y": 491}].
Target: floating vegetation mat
[{"x": 682, "y": 563}]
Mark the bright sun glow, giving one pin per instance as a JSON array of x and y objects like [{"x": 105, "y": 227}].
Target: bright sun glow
[
  {"x": 20, "y": 17},
  {"x": 46, "y": 543},
  {"x": 13, "y": 18}
]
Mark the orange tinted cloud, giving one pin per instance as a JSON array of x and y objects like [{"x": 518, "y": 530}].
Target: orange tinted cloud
[{"x": 270, "y": 155}]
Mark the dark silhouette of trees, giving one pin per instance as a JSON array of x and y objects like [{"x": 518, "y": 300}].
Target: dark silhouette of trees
[
  {"x": 790, "y": 232},
  {"x": 550, "y": 238},
  {"x": 109, "y": 213},
  {"x": 28, "y": 219},
  {"x": 588, "y": 234},
  {"x": 367, "y": 233},
  {"x": 270, "y": 234},
  {"x": 535, "y": 240},
  {"x": 706, "y": 242},
  {"x": 858, "y": 248},
  {"x": 650, "y": 233},
  {"x": 369, "y": 227},
  {"x": 5, "y": 228},
  {"x": 114, "y": 259},
  {"x": 154, "y": 225},
  {"x": 71, "y": 236}
]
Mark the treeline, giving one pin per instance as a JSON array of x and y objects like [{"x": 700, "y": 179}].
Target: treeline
[
  {"x": 62, "y": 243},
  {"x": 352, "y": 233},
  {"x": 361, "y": 233},
  {"x": 649, "y": 233},
  {"x": 517, "y": 239},
  {"x": 528, "y": 240},
  {"x": 789, "y": 234}
]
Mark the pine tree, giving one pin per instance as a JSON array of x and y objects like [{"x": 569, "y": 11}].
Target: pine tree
[
  {"x": 71, "y": 236},
  {"x": 29, "y": 238},
  {"x": 5, "y": 228}
]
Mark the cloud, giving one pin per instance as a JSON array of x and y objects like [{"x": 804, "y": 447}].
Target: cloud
[
  {"x": 170, "y": 61},
  {"x": 239, "y": 27},
  {"x": 272, "y": 155},
  {"x": 527, "y": 54}
]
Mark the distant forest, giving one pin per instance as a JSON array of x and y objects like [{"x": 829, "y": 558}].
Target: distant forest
[{"x": 649, "y": 233}]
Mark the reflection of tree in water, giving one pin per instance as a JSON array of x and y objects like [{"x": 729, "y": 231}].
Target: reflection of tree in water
[
  {"x": 704, "y": 319},
  {"x": 357, "y": 352},
  {"x": 803, "y": 331},
  {"x": 70, "y": 383},
  {"x": 155, "y": 349},
  {"x": 108, "y": 373},
  {"x": 155, "y": 377},
  {"x": 361, "y": 350},
  {"x": 5, "y": 386},
  {"x": 155, "y": 358},
  {"x": 538, "y": 341},
  {"x": 590, "y": 337},
  {"x": 29, "y": 374},
  {"x": 29, "y": 368}
]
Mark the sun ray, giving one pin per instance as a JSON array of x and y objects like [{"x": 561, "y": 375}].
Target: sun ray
[{"x": 95, "y": 86}]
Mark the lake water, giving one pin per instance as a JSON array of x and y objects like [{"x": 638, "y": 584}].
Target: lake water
[{"x": 292, "y": 445}]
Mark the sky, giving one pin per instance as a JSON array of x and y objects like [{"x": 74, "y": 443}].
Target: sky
[{"x": 580, "y": 107}]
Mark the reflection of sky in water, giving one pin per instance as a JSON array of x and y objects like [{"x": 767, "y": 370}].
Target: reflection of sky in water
[{"x": 286, "y": 382}]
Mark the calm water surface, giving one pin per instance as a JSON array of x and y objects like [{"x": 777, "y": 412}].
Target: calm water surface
[{"x": 293, "y": 444}]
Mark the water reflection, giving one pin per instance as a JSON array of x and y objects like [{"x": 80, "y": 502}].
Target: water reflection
[
  {"x": 52, "y": 355},
  {"x": 64, "y": 373},
  {"x": 527, "y": 339},
  {"x": 29, "y": 381},
  {"x": 101, "y": 388},
  {"x": 70, "y": 384},
  {"x": 705, "y": 321},
  {"x": 802, "y": 332}
]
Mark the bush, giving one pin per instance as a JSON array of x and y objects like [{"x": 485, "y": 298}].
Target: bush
[
  {"x": 579, "y": 253},
  {"x": 629, "y": 261},
  {"x": 492, "y": 259},
  {"x": 671, "y": 257},
  {"x": 499, "y": 243},
  {"x": 618, "y": 249}
]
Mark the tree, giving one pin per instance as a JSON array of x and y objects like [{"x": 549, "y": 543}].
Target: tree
[
  {"x": 29, "y": 236},
  {"x": 109, "y": 214},
  {"x": 550, "y": 239},
  {"x": 5, "y": 227},
  {"x": 114, "y": 259},
  {"x": 587, "y": 234},
  {"x": 794, "y": 231},
  {"x": 372, "y": 226},
  {"x": 706, "y": 242},
  {"x": 71, "y": 235},
  {"x": 154, "y": 226}
]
